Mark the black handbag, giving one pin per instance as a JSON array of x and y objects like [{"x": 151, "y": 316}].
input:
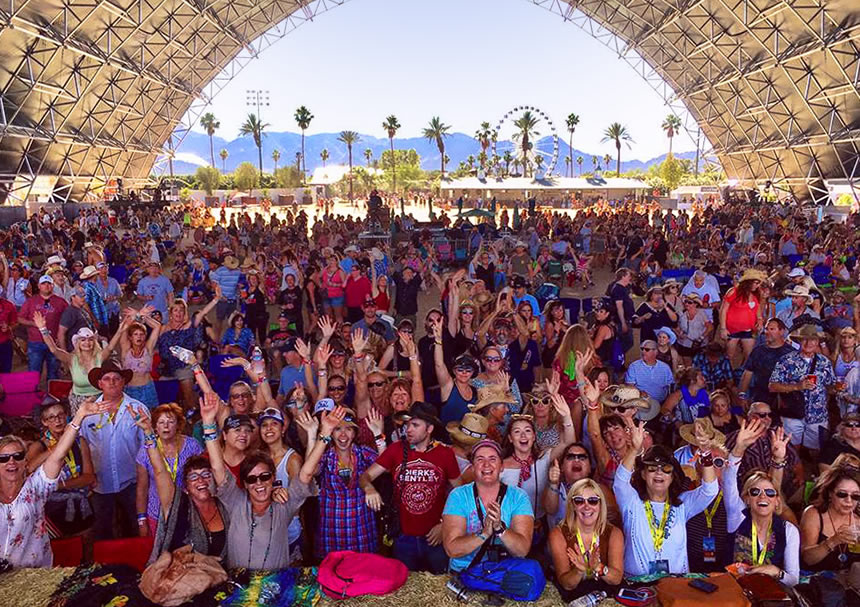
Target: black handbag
[{"x": 793, "y": 404}]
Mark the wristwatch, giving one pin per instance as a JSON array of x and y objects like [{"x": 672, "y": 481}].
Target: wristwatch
[{"x": 781, "y": 575}]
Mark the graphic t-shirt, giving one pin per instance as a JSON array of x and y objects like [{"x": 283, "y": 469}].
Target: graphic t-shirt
[{"x": 422, "y": 486}]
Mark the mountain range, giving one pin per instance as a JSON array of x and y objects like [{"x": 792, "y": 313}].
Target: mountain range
[{"x": 194, "y": 151}]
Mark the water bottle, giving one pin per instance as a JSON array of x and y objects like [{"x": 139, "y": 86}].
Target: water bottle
[
  {"x": 592, "y": 599},
  {"x": 182, "y": 354},
  {"x": 461, "y": 593},
  {"x": 258, "y": 365}
]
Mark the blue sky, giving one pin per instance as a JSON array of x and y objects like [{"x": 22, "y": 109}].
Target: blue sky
[{"x": 466, "y": 61}]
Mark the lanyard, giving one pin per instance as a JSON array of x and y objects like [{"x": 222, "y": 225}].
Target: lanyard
[
  {"x": 111, "y": 417},
  {"x": 710, "y": 513},
  {"x": 69, "y": 458},
  {"x": 657, "y": 533},
  {"x": 166, "y": 464},
  {"x": 586, "y": 555},
  {"x": 758, "y": 559}
]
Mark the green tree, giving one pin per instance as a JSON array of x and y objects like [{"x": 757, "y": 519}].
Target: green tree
[
  {"x": 568, "y": 162},
  {"x": 484, "y": 135},
  {"x": 436, "y": 131},
  {"x": 349, "y": 138},
  {"x": 288, "y": 177},
  {"x": 252, "y": 126},
  {"x": 507, "y": 158},
  {"x": 617, "y": 133},
  {"x": 671, "y": 125},
  {"x": 579, "y": 161},
  {"x": 391, "y": 125},
  {"x": 606, "y": 160},
  {"x": 211, "y": 125},
  {"x": 324, "y": 156},
  {"x": 526, "y": 124},
  {"x": 404, "y": 169},
  {"x": 470, "y": 162},
  {"x": 595, "y": 163},
  {"x": 303, "y": 118},
  {"x": 276, "y": 156},
  {"x": 571, "y": 121},
  {"x": 208, "y": 178},
  {"x": 368, "y": 156},
  {"x": 245, "y": 177},
  {"x": 224, "y": 154},
  {"x": 482, "y": 160}
]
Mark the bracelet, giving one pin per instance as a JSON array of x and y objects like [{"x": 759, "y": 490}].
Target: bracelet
[
  {"x": 322, "y": 372},
  {"x": 413, "y": 357},
  {"x": 378, "y": 437},
  {"x": 210, "y": 437},
  {"x": 212, "y": 426},
  {"x": 325, "y": 439},
  {"x": 246, "y": 365},
  {"x": 438, "y": 343},
  {"x": 44, "y": 331},
  {"x": 75, "y": 426},
  {"x": 306, "y": 361},
  {"x": 777, "y": 465},
  {"x": 152, "y": 436}
]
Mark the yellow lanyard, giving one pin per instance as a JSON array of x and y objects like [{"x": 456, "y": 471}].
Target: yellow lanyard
[
  {"x": 709, "y": 514},
  {"x": 758, "y": 559},
  {"x": 166, "y": 464},
  {"x": 586, "y": 555},
  {"x": 111, "y": 417},
  {"x": 69, "y": 458},
  {"x": 657, "y": 533}
]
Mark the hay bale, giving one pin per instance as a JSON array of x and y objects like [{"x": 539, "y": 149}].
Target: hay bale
[{"x": 31, "y": 587}]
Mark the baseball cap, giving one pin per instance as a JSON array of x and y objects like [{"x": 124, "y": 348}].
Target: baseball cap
[
  {"x": 289, "y": 345},
  {"x": 796, "y": 273},
  {"x": 271, "y": 413},
  {"x": 236, "y": 420},
  {"x": 324, "y": 404},
  {"x": 45, "y": 279}
]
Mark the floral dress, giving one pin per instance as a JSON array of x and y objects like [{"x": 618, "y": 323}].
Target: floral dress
[{"x": 23, "y": 532}]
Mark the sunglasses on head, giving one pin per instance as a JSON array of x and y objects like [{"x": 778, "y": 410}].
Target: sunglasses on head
[
  {"x": 17, "y": 456},
  {"x": 492, "y": 359},
  {"x": 204, "y": 474},
  {"x": 575, "y": 457},
  {"x": 855, "y": 497},
  {"x": 664, "y": 468},
  {"x": 375, "y": 384},
  {"x": 756, "y": 491},
  {"x": 593, "y": 500},
  {"x": 253, "y": 479}
]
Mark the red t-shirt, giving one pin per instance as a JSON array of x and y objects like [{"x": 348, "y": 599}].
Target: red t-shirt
[
  {"x": 356, "y": 291},
  {"x": 741, "y": 315},
  {"x": 425, "y": 487},
  {"x": 51, "y": 308}
]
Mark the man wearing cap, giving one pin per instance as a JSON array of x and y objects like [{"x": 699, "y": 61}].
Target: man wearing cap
[
  {"x": 228, "y": 276},
  {"x": 77, "y": 315},
  {"x": 51, "y": 307},
  {"x": 14, "y": 283},
  {"x": 799, "y": 278},
  {"x": 421, "y": 485},
  {"x": 114, "y": 440},
  {"x": 486, "y": 509},
  {"x": 369, "y": 319},
  {"x": 760, "y": 364},
  {"x": 111, "y": 293},
  {"x": 811, "y": 373},
  {"x": 652, "y": 376},
  {"x": 518, "y": 284},
  {"x": 155, "y": 289}
]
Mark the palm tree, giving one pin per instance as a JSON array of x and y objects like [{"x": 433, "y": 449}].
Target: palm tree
[
  {"x": 437, "y": 131},
  {"x": 484, "y": 135},
  {"x": 571, "y": 121},
  {"x": 579, "y": 161},
  {"x": 368, "y": 156},
  {"x": 223, "y": 154},
  {"x": 482, "y": 160},
  {"x": 568, "y": 161},
  {"x": 303, "y": 118},
  {"x": 508, "y": 158},
  {"x": 391, "y": 125},
  {"x": 470, "y": 162},
  {"x": 349, "y": 138},
  {"x": 606, "y": 160},
  {"x": 617, "y": 133},
  {"x": 539, "y": 162},
  {"x": 324, "y": 156},
  {"x": 595, "y": 163},
  {"x": 672, "y": 124},
  {"x": 253, "y": 126},
  {"x": 208, "y": 122},
  {"x": 526, "y": 124},
  {"x": 299, "y": 162},
  {"x": 276, "y": 156}
]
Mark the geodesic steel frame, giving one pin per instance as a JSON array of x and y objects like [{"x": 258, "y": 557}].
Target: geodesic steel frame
[{"x": 92, "y": 90}]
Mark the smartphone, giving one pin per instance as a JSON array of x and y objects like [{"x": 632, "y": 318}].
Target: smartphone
[
  {"x": 277, "y": 485},
  {"x": 637, "y": 594},
  {"x": 703, "y": 586}
]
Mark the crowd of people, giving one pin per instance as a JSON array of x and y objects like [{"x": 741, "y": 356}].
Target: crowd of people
[{"x": 698, "y": 413}]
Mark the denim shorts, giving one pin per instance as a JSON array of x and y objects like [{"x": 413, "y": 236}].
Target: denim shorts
[
  {"x": 335, "y": 302},
  {"x": 741, "y": 335}
]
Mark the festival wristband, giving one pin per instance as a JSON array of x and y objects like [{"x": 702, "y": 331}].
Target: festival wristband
[
  {"x": 210, "y": 437},
  {"x": 326, "y": 439},
  {"x": 212, "y": 426},
  {"x": 152, "y": 436},
  {"x": 75, "y": 426}
]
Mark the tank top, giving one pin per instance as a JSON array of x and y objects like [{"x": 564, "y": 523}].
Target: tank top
[
  {"x": 333, "y": 283},
  {"x": 831, "y": 562},
  {"x": 142, "y": 364},
  {"x": 690, "y": 405},
  {"x": 81, "y": 385},
  {"x": 456, "y": 406},
  {"x": 294, "y": 530}
]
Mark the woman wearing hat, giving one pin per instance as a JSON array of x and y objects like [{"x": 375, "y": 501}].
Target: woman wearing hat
[
  {"x": 457, "y": 393},
  {"x": 740, "y": 315},
  {"x": 666, "y": 352},
  {"x": 694, "y": 328},
  {"x": 85, "y": 356}
]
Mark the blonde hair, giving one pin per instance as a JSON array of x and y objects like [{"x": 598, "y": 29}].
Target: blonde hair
[
  {"x": 576, "y": 339},
  {"x": 761, "y": 475},
  {"x": 579, "y": 488},
  {"x": 12, "y": 438}
]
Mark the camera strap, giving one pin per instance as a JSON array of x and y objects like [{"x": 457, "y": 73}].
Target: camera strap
[{"x": 478, "y": 508}]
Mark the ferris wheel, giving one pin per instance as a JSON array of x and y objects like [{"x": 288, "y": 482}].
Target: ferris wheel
[{"x": 523, "y": 133}]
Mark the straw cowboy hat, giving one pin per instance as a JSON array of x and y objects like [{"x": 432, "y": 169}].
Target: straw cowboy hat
[
  {"x": 89, "y": 272},
  {"x": 247, "y": 264},
  {"x": 706, "y": 428},
  {"x": 492, "y": 395},
  {"x": 753, "y": 275},
  {"x": 809, "y": 331},
  {"x": 231, "y": 262},
  {"x": 798, "y": 291},
  {"x": 627, "y": 396},
  {"x": 469, "y": 430}
]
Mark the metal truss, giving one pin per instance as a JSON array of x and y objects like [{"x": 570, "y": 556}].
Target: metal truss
[{"x": 92, "y": 90}]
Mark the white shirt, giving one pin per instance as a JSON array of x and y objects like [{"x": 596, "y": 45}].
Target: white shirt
[
  {"x": 23, "y": 532},
  {"x": 535, "y": 484}
]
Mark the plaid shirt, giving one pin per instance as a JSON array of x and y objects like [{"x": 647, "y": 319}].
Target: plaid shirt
[
  {"x": 346, "y": 523},
  {"x": 96, "y": 303},
  {"x": 715, "y": 374}
]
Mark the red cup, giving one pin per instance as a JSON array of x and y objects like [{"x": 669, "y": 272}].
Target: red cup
[{"x": 813, "y": 379}]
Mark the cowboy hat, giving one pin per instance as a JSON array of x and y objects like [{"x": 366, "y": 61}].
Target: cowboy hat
[
  {"x": 96, "y": 373},
  {"x": 55, "y": 260},
  {"x": 89, "y": 272},
  {"x": 693, "y": 297},
  {"x": 808, "y": 331},
  {"x": 706, "y": 428},
  {"x": 492, "y": 395},
  {"x": 231, "y": 262},
  {"x": 753, "y": 275},
  {"x": 628, "y": 396},
  {"x": 248, "y": 263},
  {"x": 425, "y": 412},
  {"x": 669, "y": 333},
  {"x": 483, "y": 298},
  {"x": 469, "y": 430},
  {"x": 798, "y": 291}
]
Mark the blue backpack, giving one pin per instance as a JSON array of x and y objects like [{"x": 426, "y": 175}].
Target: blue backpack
[{"x": 513, "y": 578}]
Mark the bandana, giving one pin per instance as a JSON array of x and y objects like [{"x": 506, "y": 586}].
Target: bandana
[{"x": 525, "y": 468}]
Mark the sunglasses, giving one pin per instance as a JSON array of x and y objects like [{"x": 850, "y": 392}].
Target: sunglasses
[
  {"x": 17, "y": 456},
  {"x": 492, "y": 359},
  {"x": 467, "y": 312},
  {"x": 855, "y": 497},
  {"x": 241, "y": 395},
  {"x": 664, "y": 468},
  {"x": 648, "y": 349},
  {"x": 761, "y": 414},
  {"x": 253, "y": 479},
  {"x": 575, "y": 457},
  {"x": 204, "y": 474},
  {"x": 593, "y": 500},
  {"x": 54, "y": 418},
  {"x": 852, "y": 424},
  {"x": 337, "y": 388},
  {"x": 756, "y": 491},
  {"x": 407, "y": 330},
  {"x": 463, "y": 369},
  {"x": 338, "y": 353},
  {"x": 375, "y": 384}
]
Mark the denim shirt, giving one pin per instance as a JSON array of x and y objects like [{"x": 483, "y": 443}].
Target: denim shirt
[{"x": 114, "y": 446}]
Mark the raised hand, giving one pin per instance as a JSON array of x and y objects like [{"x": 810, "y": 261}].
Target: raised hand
[
  {"x": 589, "y": 390},
  {"x": 236, "y": 361},
  {"x": 554, "y": 473},
  {"x": 322, "y": 355},
  {"x": 583, "y": 359},
  {"x": 375, "y": 421},
  {"x": 561, "y": 406},
  {"x": 407, "y": 344},
  {"x": 637, "y": 435},
  {"x": 749, "y": 432},
  {"x": 332, "y": 420},
  {"x": 779, "y": 440},
  {"x": 209, "y": 404},
  {"x": 359, "y": 341},
  {"x": 91, "y": 407},
  {"x": 38, "y": 320},
  {"x": 553, "y": 383},
  {"x": 280, "y": 495},
  {"x": 147, "y": 310},
  {"x": 504, "y": 379},
  {"x": 326, "y": 326},
  {"x": 437, "y": 330},
  {"x": 303, "y": 349},
  {"x": 308, "y": 423}
]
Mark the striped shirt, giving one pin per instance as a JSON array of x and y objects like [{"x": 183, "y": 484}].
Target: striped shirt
[{"x": 228, "y": 280}]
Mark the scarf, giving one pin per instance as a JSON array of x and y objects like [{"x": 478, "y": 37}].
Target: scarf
[{"x": 525, "y": 468}]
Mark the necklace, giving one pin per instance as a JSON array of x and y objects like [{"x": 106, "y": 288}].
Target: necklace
[
  {"x": 842, "y": 556},
  {"x": 254, "y": 526}
]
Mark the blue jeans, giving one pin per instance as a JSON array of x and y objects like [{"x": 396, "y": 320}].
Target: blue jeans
[
  {"x": 414, "y": 552},
  {"x": 38, "y": 353}
]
